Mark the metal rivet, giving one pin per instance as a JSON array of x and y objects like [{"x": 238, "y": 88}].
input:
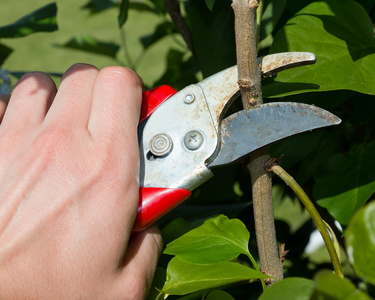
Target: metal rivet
[
  {"x": 189, "y": 98},
  {"x": 161, "y": 144},
  {"x": 193, "y": 140}
]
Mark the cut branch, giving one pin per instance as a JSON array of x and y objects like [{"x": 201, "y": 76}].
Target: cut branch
[{"x": 249, "y": 80}]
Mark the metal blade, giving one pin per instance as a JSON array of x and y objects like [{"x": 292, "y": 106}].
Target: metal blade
[
  {"x": 248, "y": 130},
  {"x": 222, "y": 88}
]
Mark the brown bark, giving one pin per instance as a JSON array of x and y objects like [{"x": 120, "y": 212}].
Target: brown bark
[{"x": 249, "y": 80}]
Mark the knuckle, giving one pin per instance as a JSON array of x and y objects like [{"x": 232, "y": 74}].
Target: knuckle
[
  {"x": 122, "y": 73},
  {"x": 32, "y": 81}
]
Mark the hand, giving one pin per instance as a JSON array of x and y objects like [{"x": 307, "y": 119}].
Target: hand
[{"x": 69, "y": 164}]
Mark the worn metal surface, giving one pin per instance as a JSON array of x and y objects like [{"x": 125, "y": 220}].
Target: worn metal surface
[
  {"x": 181, "y": 167},
  {"x": 274, "y": 63},
  {"x": 248, "y": 130},
  {"x": 222, "y": 88},
  {"x": 197, "y": 108}
]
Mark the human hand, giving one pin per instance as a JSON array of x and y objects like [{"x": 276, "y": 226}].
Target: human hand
[{"x": 69, "y": 164}]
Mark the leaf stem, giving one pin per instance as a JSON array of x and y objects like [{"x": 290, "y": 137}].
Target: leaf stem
[
  {"x": 256, "y": 267},
  {"x": 272, "y": 165}
]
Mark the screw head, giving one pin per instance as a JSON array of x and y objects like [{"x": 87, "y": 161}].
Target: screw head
[
  {"x": 193, "y": 140},
  {"x": 189, "y": 98},
  {"x": 161, "y": 144}
]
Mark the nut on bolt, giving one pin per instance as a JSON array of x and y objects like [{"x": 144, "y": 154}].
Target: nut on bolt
[{"x": 161, "y": 144}]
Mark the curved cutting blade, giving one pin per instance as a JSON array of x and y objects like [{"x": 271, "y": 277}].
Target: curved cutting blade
[{"x": 248, "y": 130}]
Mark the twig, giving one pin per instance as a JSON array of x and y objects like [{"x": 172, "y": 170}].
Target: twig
[
  {"x": 173, "y": 8},
  {"x": 273, "y": 166},
  {"x": 249, "y": 80}
]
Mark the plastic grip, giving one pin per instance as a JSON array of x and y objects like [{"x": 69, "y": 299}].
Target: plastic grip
[
  {"x": 153, "y": 98},
  {"x": 155, "y": 203}
]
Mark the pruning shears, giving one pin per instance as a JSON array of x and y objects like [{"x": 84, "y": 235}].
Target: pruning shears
[{"x": 183, "y": 135}]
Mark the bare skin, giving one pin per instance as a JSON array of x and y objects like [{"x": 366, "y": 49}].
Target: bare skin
[{"x": 69, "y": 164}]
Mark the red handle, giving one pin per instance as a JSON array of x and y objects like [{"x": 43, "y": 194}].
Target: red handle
[
  {"x": 153, "y": 98},
  {"x": 156, "y": 202}
]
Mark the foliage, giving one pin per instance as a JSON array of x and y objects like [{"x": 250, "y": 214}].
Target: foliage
[{"x": 213, "y": 256}]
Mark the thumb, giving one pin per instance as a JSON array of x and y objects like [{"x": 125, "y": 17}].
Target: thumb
[{"x": 140, "y": 262}]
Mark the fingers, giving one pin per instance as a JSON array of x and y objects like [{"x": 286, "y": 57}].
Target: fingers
[
  {"x": 116, "y": 104},
  {"x": 140, "y": 263},
  {"x": 30, "y": 101},
  {"x": 73, "y": 100},
  {"x": 4, "y": 99}
]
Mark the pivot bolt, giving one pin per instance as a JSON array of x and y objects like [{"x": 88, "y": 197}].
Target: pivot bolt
[
  {"x": 161, "y": 144},
  {"x": 193, "y": 140},
  {"x": 189, "y": 98}
]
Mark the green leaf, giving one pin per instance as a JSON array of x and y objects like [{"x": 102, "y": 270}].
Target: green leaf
[
  {"x": 272, "y": 12},
  {"x": 347, "y": 183},
  {"x": 219, "y": 295},
  {"x": 360, "y": 242},
  {"x": 123, "y": 16},
  {"x": 95, "y": 6},
  {"x": 5, "y": 51},
  {"x": 213, "y": 34},
  {"x": 90, "y": 44},
  {"x": 43, "y": 19},
  {"x": 330, "y": 286},
  {"x": 289, "y": 289},
  {"x": 217, "y": 240},
  {"x": 161, "y": 31},
  {"x": 340, "y": 33},
  {"x": 210, "y": 4},
  {"x": 184, "y": 278}
]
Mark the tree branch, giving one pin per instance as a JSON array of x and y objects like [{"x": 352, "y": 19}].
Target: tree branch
[
  {"x": 249, "y": 80},
  {"x": 173, "y": 8}
]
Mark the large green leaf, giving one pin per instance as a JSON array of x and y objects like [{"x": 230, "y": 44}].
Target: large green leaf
[
  {"x": 273, "y": 10},
  {"x": 289, "y": 289},
  {"x": 340, "y": 33},
  {"x": 43, "y": 19},
  {"x": 213, "y": 34},
  {"x": 184, "y": 278},
  {"x": 330, "y": 286},
  {"x": 360, "y": 242},
  {"x": 92, "y": 45},
  {"x": 347, "y": 182},
  {"x": 216, "y": 240}
]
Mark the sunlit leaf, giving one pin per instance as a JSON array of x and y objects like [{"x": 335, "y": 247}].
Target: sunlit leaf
[
  {"x": 184, "y": 278},
  {"x": 123, "y": 15},
  {"x": 360, "y": 242},
  {"x": 42, "y": 19},
  {"x": 347, "y": 182},
  {"x": 340, "y": 33},
  {"x": 90, "y": 44},
  {"x": 217, "y": 240},
  {"x": 330, "y": 286},
  {"x": 289, "y": 289},
  {"x": 272, "y": 12}
]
